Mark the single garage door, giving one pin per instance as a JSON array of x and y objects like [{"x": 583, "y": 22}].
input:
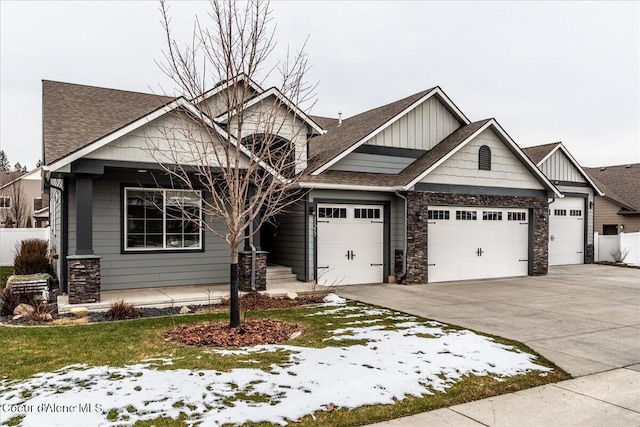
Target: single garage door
[
  {"x": 350, "y": 241},
  {"x": 477, "y": 243},
  {"x": 566, "y": 231}
]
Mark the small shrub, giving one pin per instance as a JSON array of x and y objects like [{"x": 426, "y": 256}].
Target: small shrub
[
  {"x": 619, "y": 255},
  {"x": 120, "y": 310},
  {"x": 9, "y": 300},
  {"x": 32, "y": 257}
]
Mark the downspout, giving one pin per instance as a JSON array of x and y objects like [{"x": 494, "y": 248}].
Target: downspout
[{"x": 404, "y": 250}]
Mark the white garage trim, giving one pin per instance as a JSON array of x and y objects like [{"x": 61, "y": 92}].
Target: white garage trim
[
  {"x": 467, "y": 242},
  {"x": 350, "y": 243}
]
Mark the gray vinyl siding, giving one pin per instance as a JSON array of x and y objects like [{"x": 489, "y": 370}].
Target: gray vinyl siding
[
  {"x": 140, "y": 270},
  {"x": 559, "y": 168},
  {"x": 56, "y": 198},
  {"x": 421, "y": 128},
  {"x": 376, "y": 163},
  {"x": 287, "y": 248}
]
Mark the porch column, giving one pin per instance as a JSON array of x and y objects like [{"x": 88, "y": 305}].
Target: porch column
[
  {"x": 83, "y": 268},
  {"x": 84, "y": 215}
]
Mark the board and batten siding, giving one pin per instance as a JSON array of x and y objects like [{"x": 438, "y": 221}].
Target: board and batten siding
[
  {"x": 287, "y": 246},
  {"x": 506, "y": 169},
  {"x": 142, "y": 270},
  {"x": 421, "y": 128},
  {"x": 374, "y": 163},
  {"x": 559, "y": 168}
]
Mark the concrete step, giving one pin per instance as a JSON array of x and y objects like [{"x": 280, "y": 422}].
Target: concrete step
[{"x": 280, "y": 274}]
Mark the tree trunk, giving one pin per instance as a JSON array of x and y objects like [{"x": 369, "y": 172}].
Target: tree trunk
[{"x": 234, "y": 301}]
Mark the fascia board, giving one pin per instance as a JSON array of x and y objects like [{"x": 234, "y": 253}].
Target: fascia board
[
  {"x": 582, "y": 172},
  {"x": 331, "y": 186},
  {"x": 447, "y": 156},
  {"x": 548, "y": 155},
  {"x": 290, "y": 105},
  {"x": 436, "y": 91},
  {"x": 99, "y": 143},
  {"x": 241, "y": 77}
]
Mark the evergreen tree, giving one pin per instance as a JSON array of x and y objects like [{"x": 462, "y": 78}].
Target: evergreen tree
[{"x": 4, "y": 162}]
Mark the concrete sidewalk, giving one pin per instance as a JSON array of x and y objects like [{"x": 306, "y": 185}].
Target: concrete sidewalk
[{"x": 606, "y": 399}]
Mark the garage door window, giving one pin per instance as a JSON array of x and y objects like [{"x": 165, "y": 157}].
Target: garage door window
[
  {"x": 560, "y": 212},
  {"x": 466, "y": 215},
  {"x": 516, "y": 216},
  {"x": 491, "y": 216},
  {"x": 437, "y": 214},
  {"x": 369, "y": 213},
  {"x": 332, "y": 212},
  {"x": 575, "y": 212}
]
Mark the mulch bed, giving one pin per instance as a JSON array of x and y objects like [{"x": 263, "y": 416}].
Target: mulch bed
[{"x": 218, "y": 334}]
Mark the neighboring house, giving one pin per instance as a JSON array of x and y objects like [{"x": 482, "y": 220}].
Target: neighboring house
[
  {"x": 25, "y": 188},
  {"x": 412, "y": 191},
  {"x": 618, "y": 209},
  {"x": 571, "y": 217}
]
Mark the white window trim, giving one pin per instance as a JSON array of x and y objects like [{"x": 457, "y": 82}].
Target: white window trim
[{"x": 164, "y": 247}]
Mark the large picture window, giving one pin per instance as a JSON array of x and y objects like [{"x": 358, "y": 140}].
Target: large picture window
[{"x": 162, "y": 220}]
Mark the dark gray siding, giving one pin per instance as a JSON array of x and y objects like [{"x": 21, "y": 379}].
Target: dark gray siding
[
  {"x": 124, "y": 271},
  {"x": 375, "y": 163},
  {"x": 287, "y": 247}
]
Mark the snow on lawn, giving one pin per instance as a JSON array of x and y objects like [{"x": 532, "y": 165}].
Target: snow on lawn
[{"x": 410, "y": 358}]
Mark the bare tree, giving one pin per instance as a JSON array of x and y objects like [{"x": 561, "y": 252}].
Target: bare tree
[
  {"x": 239, "y": 148},
  {"x": 19, "y": 213}
]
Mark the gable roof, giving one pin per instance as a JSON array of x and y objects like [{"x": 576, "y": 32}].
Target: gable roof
[
  {"x": 339, "y": 141},
  {"x": 74, "y": 115},
  {"x": 540, "y": 153},
  {"x": 620, "y": 184},
  {"x": 422, "y": 166},
  {"x": 284, "y": 100}
]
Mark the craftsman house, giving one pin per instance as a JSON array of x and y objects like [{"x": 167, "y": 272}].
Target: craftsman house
[{"x": 411, "y": 191}]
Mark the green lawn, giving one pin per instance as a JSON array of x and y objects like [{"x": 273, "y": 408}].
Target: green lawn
[{"x": 27, "y": 351}]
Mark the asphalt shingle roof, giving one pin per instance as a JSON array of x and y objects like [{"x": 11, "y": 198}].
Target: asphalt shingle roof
[
  {"x": 620, "y": 184},
  {"x": 77, "y": 115},
  {"x": 339, "y": 138},
  {"x": 539, "y": 152}
]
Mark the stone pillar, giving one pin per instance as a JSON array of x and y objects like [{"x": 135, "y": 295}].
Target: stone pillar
[
  {"x": 417, "y": 250},
  {"x": 589, "y": 257},
  {"x": 83, "y": 279},
  {"x": 398, "y": 261},
  {"x": 244, "y": 271}
]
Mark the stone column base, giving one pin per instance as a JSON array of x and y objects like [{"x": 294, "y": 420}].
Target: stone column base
[
  {"x": 244, "y": 271},
  {"x": 83, "y": 279},
  {"x": 589, "y": 256}
]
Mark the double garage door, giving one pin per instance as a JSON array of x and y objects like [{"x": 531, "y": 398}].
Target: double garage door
[{"x": 477, "y": 243}]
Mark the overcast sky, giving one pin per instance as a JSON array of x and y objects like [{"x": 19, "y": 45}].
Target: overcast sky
[{"x": 547, "y": 71}]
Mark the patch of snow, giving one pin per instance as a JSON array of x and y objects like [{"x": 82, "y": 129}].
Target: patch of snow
[
  {"x": 394, "y": 363},
  {"x": 334, "y": 299}
]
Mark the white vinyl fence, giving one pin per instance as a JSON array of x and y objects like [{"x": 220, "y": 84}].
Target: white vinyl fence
[
  {"x": 10, "y": 236},
  {"x": 623, "y": 242}
]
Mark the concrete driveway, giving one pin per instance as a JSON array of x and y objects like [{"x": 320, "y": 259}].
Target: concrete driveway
[{"x": 585, "y": 318}]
